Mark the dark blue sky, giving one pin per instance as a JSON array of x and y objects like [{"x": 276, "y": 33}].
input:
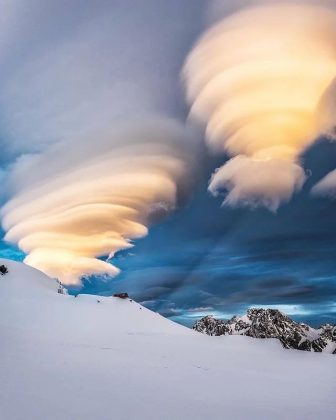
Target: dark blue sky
[
  {"x": 205, "y": 259},
  {"x": 202, "y": 259}
]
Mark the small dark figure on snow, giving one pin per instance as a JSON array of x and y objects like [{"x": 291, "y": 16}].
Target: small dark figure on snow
[
  {"x": 3, "y": 270},
  {"x": 61, "y": 289}
]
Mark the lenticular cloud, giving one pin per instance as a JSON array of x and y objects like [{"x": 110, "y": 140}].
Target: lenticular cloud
[
  {"x": 93, "y": 149},
  {"x": 256, "y": 80},
  {"x": 72, "y": 206}
]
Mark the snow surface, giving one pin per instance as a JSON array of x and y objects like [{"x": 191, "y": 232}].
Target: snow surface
[{"x": 67, "y": 358}]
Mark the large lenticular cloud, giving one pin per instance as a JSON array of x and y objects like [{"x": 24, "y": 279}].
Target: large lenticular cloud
[
  {"x": 88, "y": 128},
  {"x": 257, "y": 79},
  {"x": 71, "y": 207}
]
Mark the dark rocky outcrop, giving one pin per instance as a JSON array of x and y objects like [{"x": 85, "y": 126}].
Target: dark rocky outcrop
[
  {"x": 3, "y": 270},
  {"x": 123, "y": 295},
  {"x": 271, "y": 323}
]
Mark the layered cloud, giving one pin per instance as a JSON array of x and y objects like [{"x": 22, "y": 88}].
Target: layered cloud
[
  {"x": 326, "y": 187},
  {"x": 257, "y": 80},
  {"x": 72, "y": 206},
  {"x": 89, "y": 129}
]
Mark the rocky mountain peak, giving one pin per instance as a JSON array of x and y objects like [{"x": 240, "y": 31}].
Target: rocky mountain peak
[{"x": 271, "y": 323}]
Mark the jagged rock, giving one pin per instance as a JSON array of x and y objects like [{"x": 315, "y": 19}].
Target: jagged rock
[
  {"x": 327, "y": 339},
  {"x": 271, "y": 323},
  {"x": 3, "y": 269},
  {"x": 211, "y": 326},
  {"x": 123, "y": 295}
]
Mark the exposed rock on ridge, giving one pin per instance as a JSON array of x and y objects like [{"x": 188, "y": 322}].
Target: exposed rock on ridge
[{"x": 271, "y": 323}]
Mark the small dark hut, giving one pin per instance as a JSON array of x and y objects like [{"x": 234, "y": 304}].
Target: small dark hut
[{"x": 121, "y": 295}]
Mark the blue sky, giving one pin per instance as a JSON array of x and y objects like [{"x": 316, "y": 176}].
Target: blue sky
[
  {"x": 203, "y": 258},
  {"x": 206, "y": 259}
]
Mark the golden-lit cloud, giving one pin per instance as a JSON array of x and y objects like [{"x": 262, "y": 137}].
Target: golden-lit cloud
[
  {"x": 92, "y": 146},
  {"x": 72, "y": 206},
  {"x": 256, "y": 80}
]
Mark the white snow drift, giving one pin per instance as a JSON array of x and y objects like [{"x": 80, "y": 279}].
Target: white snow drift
[{"x": 68, "y": 358}]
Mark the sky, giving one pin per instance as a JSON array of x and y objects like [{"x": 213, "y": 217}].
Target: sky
[
  {"x": 237, "y": 258},
  {"x": 85, "y": 84}
]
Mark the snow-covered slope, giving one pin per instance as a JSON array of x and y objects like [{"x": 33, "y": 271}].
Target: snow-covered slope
[
  {"x": 67, "y": 358},
  {"x": 271, "y": 323}
]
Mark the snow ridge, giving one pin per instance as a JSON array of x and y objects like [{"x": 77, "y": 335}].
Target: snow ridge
[{"x": 99, "y": 357}]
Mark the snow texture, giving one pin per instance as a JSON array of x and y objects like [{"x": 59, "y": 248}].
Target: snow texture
[{"x": 67, "y": 358}]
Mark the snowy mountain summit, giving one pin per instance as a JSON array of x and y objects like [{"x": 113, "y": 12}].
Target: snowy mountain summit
[
  {"x": 271, "y": 323},
  {"x": 94, "y": 357}
]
